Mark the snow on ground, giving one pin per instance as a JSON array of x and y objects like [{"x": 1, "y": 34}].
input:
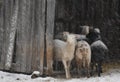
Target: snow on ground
[{"x": 111, "y": 76}]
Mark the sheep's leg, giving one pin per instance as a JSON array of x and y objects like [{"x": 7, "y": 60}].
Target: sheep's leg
[
  {"x": 78, "y": 70},
  {"x": 80, "y": 67},
  {"x": 66, "y": 69},
  {"x": 88, "y": 70},
  {"x": 56, "y": 65},
  {"x": 69, "y": 63},
  {"x": 98, "y": 69},
  {"x": 49, "y": 69},
  {"x": 92, "y": 69},
  {"x": 101, "y": 67}
]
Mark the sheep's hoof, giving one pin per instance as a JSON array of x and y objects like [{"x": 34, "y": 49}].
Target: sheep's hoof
[
  {"x": 88, "y": 76},
  {"x": 101, "y": 71},
  {"x": 91, "y": 73},
  {"x": 68, "y": 77},
  {"x": 99, "y": 75}
]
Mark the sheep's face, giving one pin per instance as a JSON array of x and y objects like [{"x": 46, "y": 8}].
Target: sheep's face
[
  {"x": 81, "y": 44},
  {"x": 71, "y": 38},
  {"x": 65, "y": 34}
]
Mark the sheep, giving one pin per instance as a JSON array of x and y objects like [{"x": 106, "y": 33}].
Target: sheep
[
  {"x": 83, "y": 56},
  {"x": 64, "y": 51},
  {"x": 99, "y": 52},
  {"x": 98, "y": 48}
]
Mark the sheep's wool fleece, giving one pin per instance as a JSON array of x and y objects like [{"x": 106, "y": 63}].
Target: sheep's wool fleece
[{"x": 99, "y": 43}]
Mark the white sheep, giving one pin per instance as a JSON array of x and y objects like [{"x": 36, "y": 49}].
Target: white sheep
[
  {"x": 83, "y": 56},
  {"x": 64, "y": 51}
]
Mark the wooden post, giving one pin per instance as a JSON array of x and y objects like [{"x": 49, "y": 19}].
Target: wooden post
[
  {"x": 1, "y": 37},
  {"x": 13, "y": 25},
  {"x": 41, "y": 23},
  {"x": 22, "y": 36},
  {"x": 50, "y": 17}
]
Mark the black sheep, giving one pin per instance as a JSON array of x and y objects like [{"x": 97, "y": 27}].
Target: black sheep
[
  {"x": 98, "y": 48},
  {"x": 99, "y": 52}
]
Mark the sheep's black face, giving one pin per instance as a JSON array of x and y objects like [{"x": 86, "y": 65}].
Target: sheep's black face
[{"x": 94, "y": 35}]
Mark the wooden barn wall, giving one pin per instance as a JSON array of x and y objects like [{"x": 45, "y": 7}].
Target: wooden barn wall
[
  {"x": 5, "y": 30},
  {"x": 26, "y": 33},
  {"x": 31, "y": 22},
  {"x": 103, "y": 14},
  {"x": 30, "y": 35}
]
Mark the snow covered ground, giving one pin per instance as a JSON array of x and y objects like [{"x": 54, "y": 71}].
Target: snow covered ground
[{"x": 110, "y": 76}]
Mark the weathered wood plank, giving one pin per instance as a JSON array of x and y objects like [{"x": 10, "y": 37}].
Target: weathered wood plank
[
  {"x": 1, "y": 35},
  {"x": 1, "y": 66},
  {"x": 30, "y": 36},
  {"x": 23, "y": 52},
  {"x": 7, "y": 14},
  {"x": 38, "y": 36},
  {"x": 22, "y": 36},
  {"x": 30, "y": 33},
  {"x": 34, "y": 32},
  {"x": 15, "y": 67},
  {"x": 50, "y": 17},
  {"x": 13, "y": 25},
  {"x": 41, "y": 23},
  {"x": 5, "y": 31}
]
